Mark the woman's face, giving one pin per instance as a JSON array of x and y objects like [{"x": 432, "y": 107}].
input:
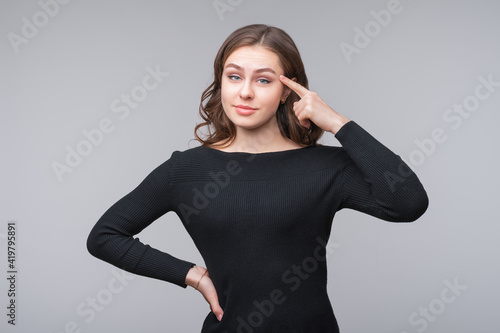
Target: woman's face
[{"x": 250, "y": 87}]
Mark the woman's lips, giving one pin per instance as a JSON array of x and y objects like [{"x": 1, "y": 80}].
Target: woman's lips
[{"x": 244, "y": 110}]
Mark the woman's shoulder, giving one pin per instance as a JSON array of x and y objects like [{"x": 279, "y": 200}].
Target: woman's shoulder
[{"x": 189, "y": 153}]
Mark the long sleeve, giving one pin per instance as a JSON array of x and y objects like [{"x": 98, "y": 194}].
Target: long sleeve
[
  {"x": 376, "y": 181},
  {"x": 111, "y": 239}
]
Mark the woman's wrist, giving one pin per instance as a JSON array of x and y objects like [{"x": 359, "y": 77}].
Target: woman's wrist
[
  {"x": 194, "y": 275},
  {"x": 337, "y": 124}
]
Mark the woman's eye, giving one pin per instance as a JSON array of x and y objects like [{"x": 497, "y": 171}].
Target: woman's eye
[{"x": 237, "y": 78}]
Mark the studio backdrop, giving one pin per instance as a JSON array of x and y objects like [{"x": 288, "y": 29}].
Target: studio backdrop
[{"x": 96, "y": 94}]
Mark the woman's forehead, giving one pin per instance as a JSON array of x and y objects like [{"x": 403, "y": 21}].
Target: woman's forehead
[{"x": 254, "y": 58}]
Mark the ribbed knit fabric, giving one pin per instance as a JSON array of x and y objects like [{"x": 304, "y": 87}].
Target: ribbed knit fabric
[{"x": 261, "y": 221}]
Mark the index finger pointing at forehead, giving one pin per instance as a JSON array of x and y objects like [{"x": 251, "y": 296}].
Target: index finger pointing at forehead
[{"x": 300, "y": 90}]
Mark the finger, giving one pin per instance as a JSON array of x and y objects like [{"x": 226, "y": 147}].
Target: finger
[
  {"x": 304, "y": 121},
  {"x": 300, "y": 90},
  {"x": 213, "y": 300},
  {"x": 217, "y": 310},
  {"x": 208, "y": 291}
]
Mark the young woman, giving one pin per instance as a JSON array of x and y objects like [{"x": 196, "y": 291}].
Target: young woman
[{"x": 259, "y": 195}]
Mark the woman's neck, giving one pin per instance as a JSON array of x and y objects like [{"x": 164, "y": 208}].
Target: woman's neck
[{"x": 259, "y": 140}]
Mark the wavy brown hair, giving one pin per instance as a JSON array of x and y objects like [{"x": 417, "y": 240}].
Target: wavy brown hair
[{"x": 220, "y": 127}]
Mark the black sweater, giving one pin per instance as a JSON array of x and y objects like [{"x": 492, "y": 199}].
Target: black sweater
[{"x": 261, "y": 222}]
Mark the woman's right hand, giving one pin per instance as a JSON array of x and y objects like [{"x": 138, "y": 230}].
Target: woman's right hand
[{"x": 206, "y": 287}]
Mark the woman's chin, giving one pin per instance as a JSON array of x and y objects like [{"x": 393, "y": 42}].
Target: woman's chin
[{"x": 254, "y": 121}]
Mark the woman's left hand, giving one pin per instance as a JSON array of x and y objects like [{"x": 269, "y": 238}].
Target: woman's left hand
[{"x": 311, "y": 107}]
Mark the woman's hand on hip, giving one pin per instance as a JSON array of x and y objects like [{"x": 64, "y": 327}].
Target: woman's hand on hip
[{"x": 199, "y": 278}]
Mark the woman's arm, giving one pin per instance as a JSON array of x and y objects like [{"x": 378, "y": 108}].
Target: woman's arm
[
  {"x": 112, "y": 237},
  {"x": 375, "y": 180}
]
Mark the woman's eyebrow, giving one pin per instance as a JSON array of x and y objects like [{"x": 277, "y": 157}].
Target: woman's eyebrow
[{"x": 260, "y": 70}]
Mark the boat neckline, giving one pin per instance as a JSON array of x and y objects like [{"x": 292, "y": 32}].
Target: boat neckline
[{"x": 257, "y": 153}]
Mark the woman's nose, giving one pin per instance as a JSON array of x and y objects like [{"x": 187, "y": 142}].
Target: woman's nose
[{"x": 246, "y": 91}]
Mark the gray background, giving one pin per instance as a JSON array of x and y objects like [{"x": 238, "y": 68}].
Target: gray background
[{"x": 64, "y": 78}]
